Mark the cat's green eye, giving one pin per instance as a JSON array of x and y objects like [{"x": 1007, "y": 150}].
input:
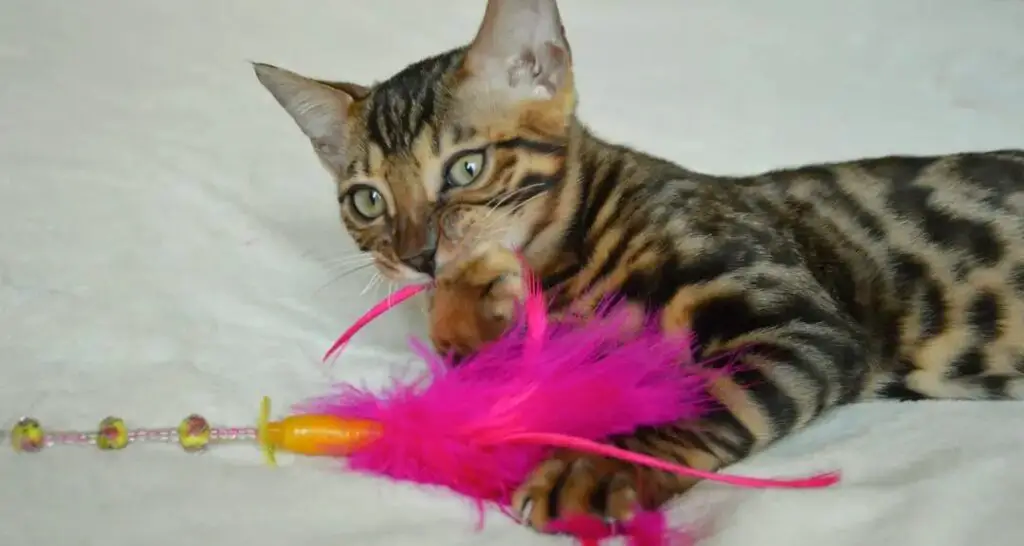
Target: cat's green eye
[
  {"x": 367, "y": 202},
  {"x": 464, "y": 170}
]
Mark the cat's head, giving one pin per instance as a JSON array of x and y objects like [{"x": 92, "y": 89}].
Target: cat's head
[{"x": 453, "y": 153}]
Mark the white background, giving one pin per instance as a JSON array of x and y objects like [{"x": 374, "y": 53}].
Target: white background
[{"x": 168, "y": 245}]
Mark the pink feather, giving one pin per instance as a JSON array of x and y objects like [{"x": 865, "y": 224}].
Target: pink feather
[
  {"x": 451, "y": 426},
  {"x": 645, "y": 529}
]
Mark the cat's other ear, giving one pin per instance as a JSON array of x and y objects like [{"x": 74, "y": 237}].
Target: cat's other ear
[
  {"x": 521, "y": 48},
  {"x": 320, "y": 109}
]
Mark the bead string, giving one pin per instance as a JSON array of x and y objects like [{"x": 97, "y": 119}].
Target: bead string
[{"x": 192, "y": 434}]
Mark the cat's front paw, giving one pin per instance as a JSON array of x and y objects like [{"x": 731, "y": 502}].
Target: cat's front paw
[
  {"x": 571, "y": 484},
  {"x": 474, "y": 300}
]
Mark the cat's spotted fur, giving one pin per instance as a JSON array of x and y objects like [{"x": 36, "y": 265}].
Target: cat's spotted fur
[{"x": 895, "y": 277}]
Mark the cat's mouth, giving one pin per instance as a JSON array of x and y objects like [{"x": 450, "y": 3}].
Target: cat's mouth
[
  {"x": 456, "y": 360},
  {"x": 423, "y": 263},
  {"x": 398, "y": 271},
  {"x": 386, "y": 267}
]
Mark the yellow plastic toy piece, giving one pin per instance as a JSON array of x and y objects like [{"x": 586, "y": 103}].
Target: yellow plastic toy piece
[{"x": 312, "y": 434}]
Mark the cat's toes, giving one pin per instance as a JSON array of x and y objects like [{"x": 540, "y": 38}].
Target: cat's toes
[
  {"x": 474, "y": 301},
  {"x": 576, "y": 484}
]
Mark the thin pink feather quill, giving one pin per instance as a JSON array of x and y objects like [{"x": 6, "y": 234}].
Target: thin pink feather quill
[{"x": 382, "y": 307}]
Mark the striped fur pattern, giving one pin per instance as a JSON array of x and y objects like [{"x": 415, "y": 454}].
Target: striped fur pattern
[{"x": 895, "y": 278}]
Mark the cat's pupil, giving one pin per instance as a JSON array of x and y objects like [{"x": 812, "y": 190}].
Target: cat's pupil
[{"x": 470, "y": 168}]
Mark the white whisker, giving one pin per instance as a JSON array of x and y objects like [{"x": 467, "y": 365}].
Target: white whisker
[
  {"x": 342, "y": 275},
  {"x": 391, "y": 292},
  {"x": 482, "y": 229},
  {"x": 374, "y": 280},
  {"x": 505, "y": 198},
  {"x": 349, "y": 259}
]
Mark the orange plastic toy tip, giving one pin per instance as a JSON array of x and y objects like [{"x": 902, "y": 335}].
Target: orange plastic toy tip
[{"x": 311, "y": 434}]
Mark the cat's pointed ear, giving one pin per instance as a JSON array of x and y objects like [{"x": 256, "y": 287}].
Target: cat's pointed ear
[
  {"x": 521, "y": 46},
  {"x": 319, "y": 108}
]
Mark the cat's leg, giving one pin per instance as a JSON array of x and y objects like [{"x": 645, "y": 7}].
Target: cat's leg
[
  {"x": 957, "y": 378},
  {"x": 474, "y": 300},
  {"x": 801, "y": 356},
  {"x": 973, "y": 349}
]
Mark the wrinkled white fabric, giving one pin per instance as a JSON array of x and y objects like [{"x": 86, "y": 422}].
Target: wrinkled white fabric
[{"x": 169, "y": 245}]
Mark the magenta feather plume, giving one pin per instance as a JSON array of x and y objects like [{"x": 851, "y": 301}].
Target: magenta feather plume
[
  {"x": 644, "y": 529},
  {"x": 453, "y": 425}
]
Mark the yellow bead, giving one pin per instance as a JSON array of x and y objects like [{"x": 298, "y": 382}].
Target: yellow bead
[
  {"x": 112, "y": 434},
  {"x": 28, "y": 436},
  {"x": 194, "y": 433}
]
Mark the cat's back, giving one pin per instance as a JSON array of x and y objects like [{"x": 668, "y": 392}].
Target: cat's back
[
  {"x": 967, "y": 206},
  {"x": 926, "y": 252},
  {"x": 910, "y": 184}
]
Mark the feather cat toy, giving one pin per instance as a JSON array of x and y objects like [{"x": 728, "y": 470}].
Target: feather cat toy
[{"x": 480, "y": 427}]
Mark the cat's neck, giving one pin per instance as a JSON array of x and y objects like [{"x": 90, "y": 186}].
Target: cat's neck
[
  {"x": 587, "y": 149},
  {"x": 598, "y": 173}
]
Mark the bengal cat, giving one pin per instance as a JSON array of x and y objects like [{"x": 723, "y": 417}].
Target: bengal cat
[{"x": 885, "y": 278}]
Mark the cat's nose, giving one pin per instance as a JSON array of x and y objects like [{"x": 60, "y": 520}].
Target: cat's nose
[{"x": 423, "y": 262}]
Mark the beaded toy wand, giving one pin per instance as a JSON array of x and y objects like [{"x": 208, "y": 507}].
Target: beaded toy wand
[{"x": 304, "y": 434}]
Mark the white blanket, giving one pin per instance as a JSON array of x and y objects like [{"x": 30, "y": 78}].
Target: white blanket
[{"x": 169, "y": 245}]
